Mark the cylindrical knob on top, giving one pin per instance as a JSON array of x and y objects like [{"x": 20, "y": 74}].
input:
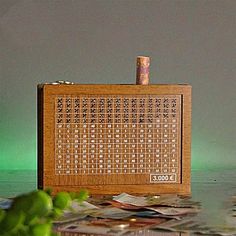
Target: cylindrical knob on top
[{"x": 142, "y": 72}]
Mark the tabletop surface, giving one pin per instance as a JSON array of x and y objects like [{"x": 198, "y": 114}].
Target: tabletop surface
[{"x": 213, "y": 189}]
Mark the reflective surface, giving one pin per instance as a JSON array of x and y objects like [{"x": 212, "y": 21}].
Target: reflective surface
[{"x": 214, "y": 189}]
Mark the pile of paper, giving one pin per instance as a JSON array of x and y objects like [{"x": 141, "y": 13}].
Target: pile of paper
[
  {"x": 165, "y": 215},
  {"x": 132, "y": 215}
]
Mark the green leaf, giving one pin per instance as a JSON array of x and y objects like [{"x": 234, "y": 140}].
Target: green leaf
[
  {"x": 56, "y": 213},
  {"x": 2, "y": 214},
  {"x": 32, "y": 214},
  {"x": 12, "y": 221},
  {"x": 62, "y": 200},
  {"x": 82, "y": 195},
  {"x": 41, "y": 205},
  {"x": 41, "y": 229}
]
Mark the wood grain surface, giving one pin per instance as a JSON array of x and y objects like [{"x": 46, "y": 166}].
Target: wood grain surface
[{"x": 113, "y": 183}]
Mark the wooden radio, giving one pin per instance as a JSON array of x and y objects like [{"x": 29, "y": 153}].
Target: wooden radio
[{"x": 115, "y": 138}]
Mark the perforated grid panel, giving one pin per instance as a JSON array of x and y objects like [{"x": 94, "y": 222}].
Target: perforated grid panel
[{"x": 119, "y": 135}]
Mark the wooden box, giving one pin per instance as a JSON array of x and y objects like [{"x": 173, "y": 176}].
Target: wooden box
[{"x": 111, "y": 139}]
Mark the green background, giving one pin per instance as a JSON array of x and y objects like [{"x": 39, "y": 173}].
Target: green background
[{"x": 97, "y": 42}]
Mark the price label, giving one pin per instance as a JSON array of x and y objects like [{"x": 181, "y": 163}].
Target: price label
[{"x": 165, "y": 178}]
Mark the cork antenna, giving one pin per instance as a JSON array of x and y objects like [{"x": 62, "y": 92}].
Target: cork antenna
[{"x": 142, "y": 70}]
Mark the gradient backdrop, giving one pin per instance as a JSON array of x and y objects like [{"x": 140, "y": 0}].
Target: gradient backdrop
[{"x": 189, "y": 41}]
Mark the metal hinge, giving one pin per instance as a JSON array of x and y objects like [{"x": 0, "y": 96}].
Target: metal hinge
[{"x": 61, "y": 82}]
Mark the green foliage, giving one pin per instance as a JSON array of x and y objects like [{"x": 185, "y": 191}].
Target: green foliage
[
  {"x": 62, "y": 200},
  {"x": 32, "y": 214}
]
